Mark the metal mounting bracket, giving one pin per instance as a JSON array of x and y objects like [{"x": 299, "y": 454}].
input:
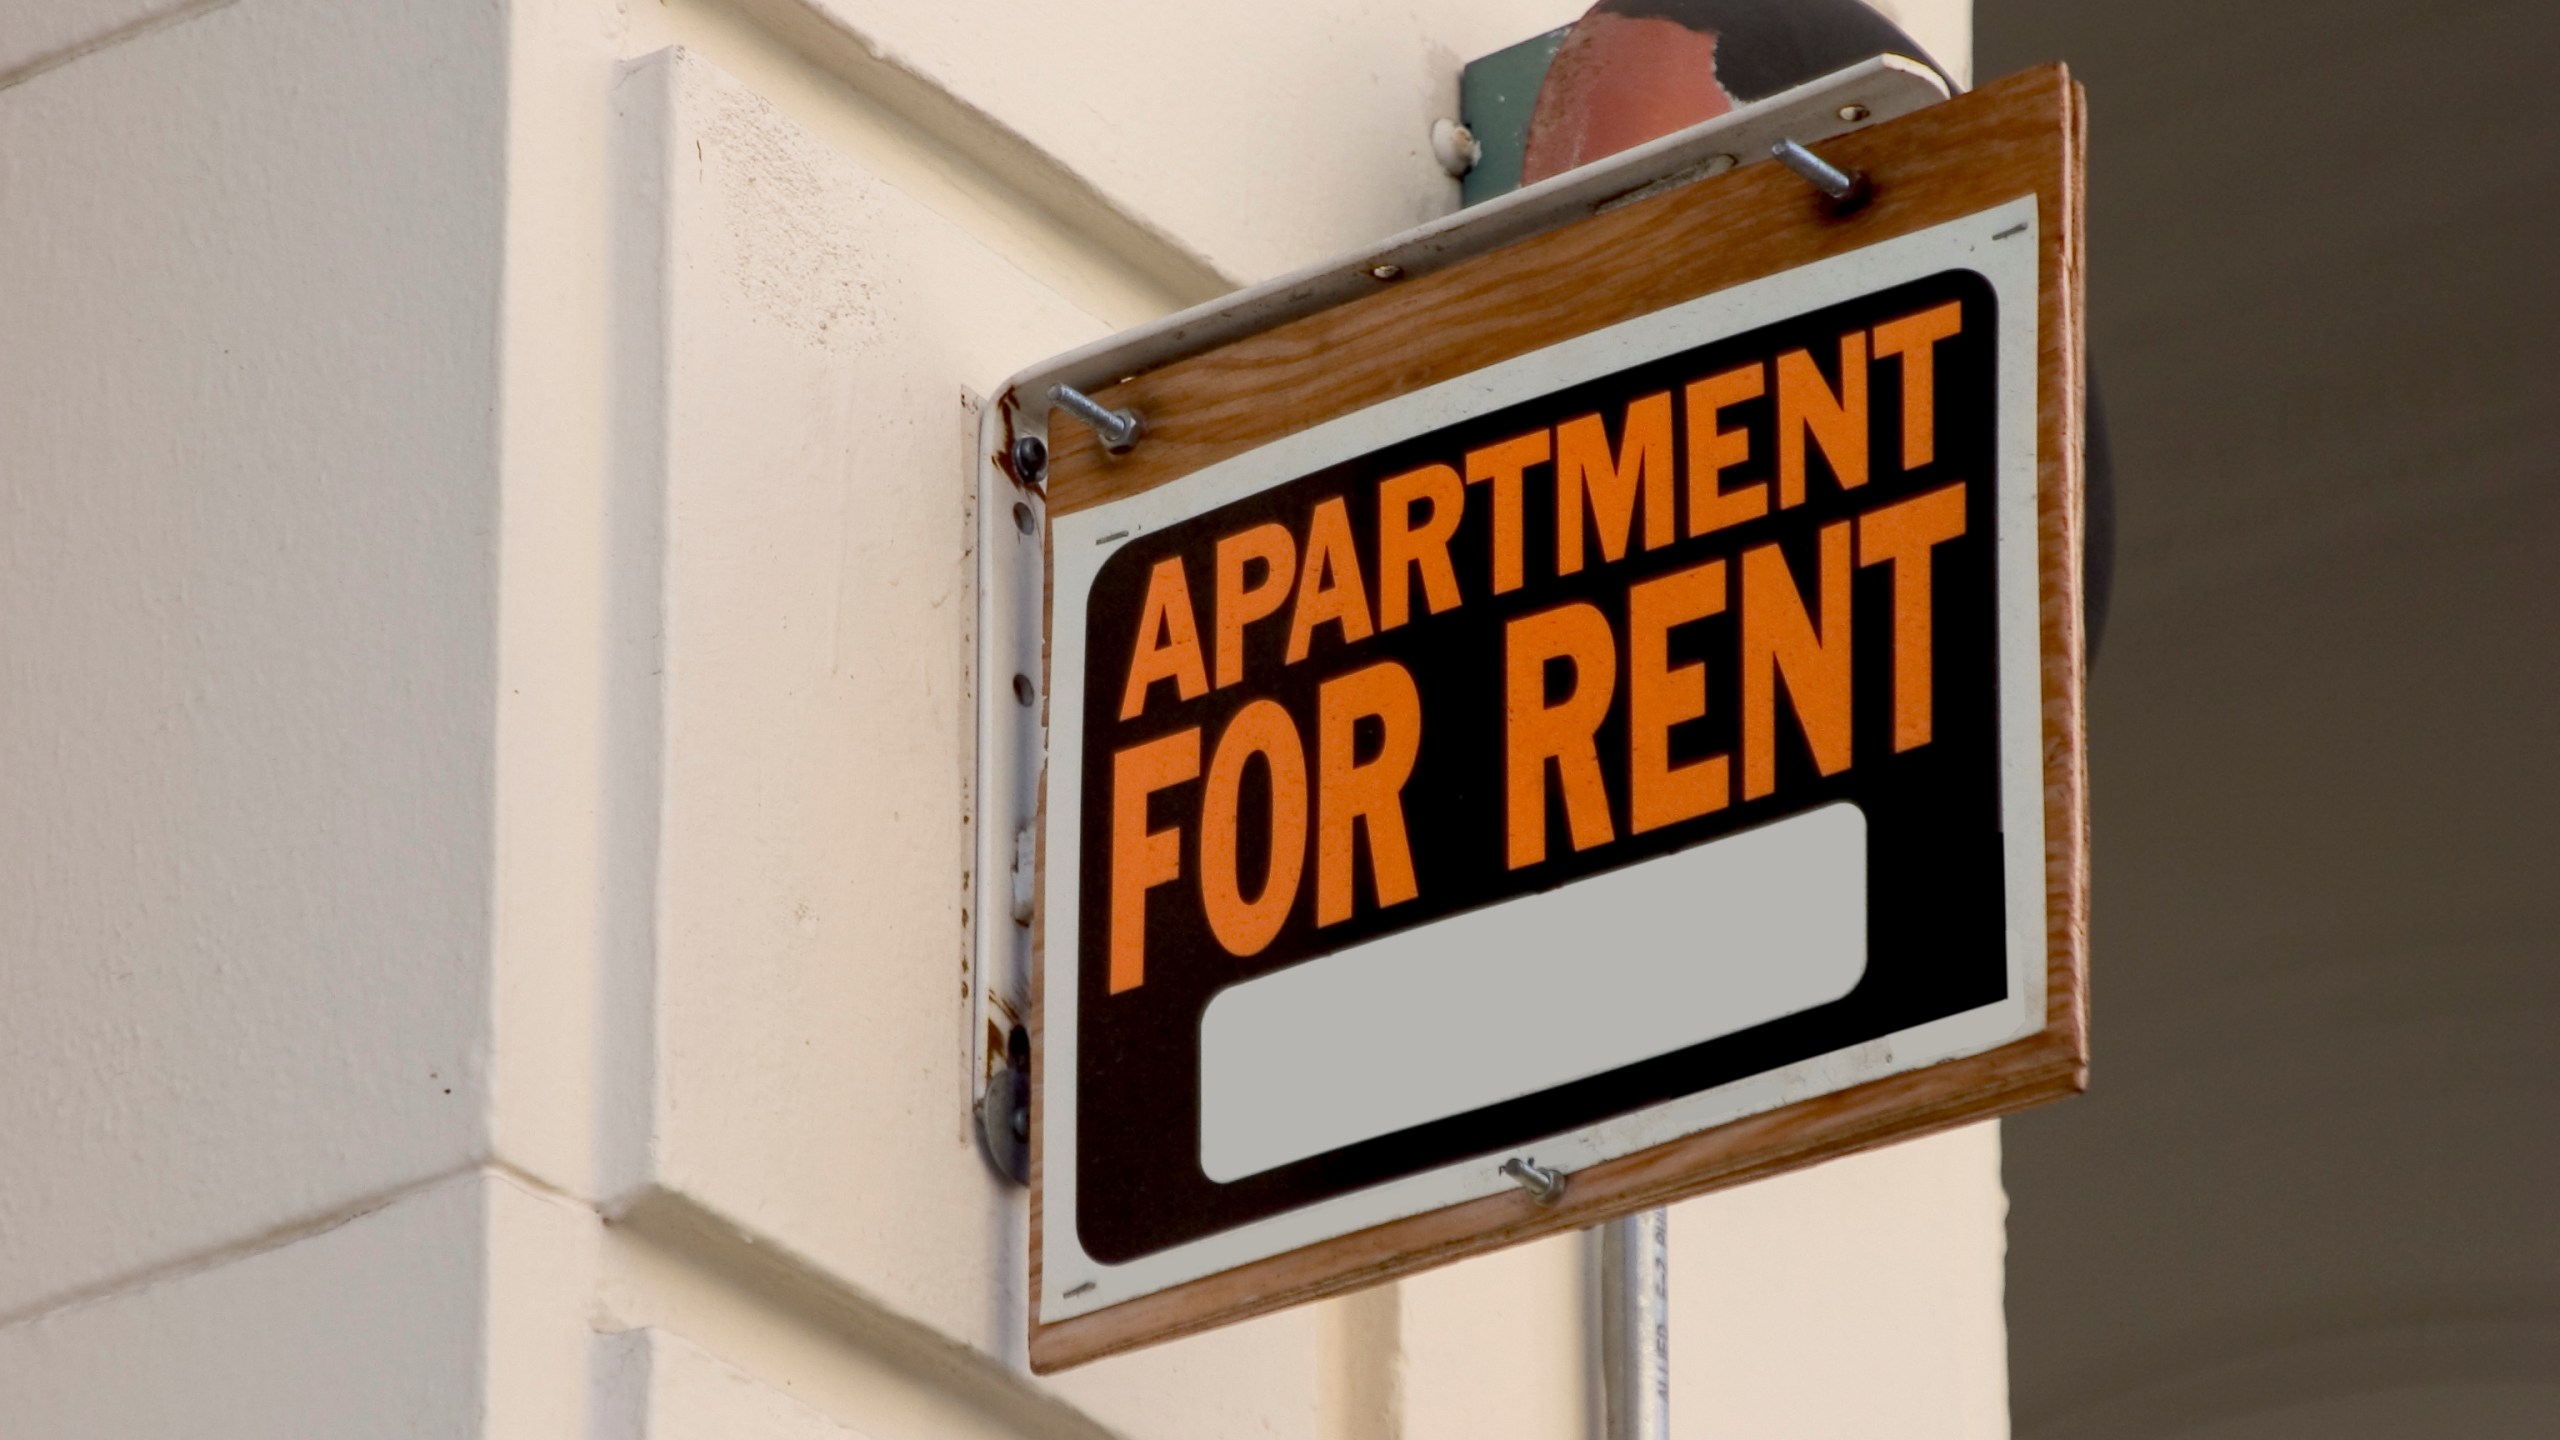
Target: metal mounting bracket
[
  {"x": 1858, "y": 97},
  {"x": 1009, "y": 518}
]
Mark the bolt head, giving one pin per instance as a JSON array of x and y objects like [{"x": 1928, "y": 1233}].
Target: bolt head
[
  {"x": 1854, "y": 113},
  {"x": 1030, "y": 459},
  {"x": 1386, "y": 272}
]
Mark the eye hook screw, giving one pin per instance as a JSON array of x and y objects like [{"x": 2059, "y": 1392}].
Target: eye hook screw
[
  {"x": 1545, "y": 1185},
  {"x": 1118, "y": 430},
  {"x": 1847, "y": 189}
]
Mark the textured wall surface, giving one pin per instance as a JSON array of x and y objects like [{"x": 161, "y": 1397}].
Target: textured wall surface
[
  {"x": 249, "y": 483},
  {"x": 369, "y": 1329}
]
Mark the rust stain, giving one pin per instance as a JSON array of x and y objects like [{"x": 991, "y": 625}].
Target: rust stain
[{"x": 1618, "y": 81}]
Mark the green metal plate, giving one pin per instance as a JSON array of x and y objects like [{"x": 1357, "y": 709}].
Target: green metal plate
[{"x": 1496, "y": 96}]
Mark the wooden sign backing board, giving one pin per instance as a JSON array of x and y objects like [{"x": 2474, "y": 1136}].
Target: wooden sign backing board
[{"x": 2017, "y": 139}]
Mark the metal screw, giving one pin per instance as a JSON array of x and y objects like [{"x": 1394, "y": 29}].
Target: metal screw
[
  {"x": 1546, "y": 1186},
  {"x": 1030, "y": 460},
  {"x": 1022, "y": 519},
  {"x": 1847, "y": 188},
  {"x": 1854, "y": 113},
  {"x": 1118, "y": 430},
  {"x": 1386, "y": 272}
]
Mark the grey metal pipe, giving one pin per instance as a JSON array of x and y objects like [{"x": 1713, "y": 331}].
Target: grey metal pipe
[{"x": 1635, "y": 1326}]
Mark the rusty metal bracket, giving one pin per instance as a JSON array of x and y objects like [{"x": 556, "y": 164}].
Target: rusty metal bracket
[
  {"x": 1863, "y": 95},
  {"x": 1009, "y": 514}
]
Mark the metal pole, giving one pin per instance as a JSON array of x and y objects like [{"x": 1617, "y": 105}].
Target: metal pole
[{"x": 1635, "y": 1326}]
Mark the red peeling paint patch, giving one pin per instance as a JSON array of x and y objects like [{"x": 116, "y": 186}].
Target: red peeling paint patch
[{"x": 1616, "y": 83}]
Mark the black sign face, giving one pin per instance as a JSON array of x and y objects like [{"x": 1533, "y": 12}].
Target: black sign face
[{"x": 1632, "y": 617}]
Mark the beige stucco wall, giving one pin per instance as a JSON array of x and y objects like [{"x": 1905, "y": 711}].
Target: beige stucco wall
[{"x": 485, "y": 620}]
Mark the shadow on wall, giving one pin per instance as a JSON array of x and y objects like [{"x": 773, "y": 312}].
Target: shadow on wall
[{"x": 2309, "y": 1191}]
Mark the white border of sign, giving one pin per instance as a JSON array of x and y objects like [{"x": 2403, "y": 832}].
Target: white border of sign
[{"x": 2001, "y": 244}]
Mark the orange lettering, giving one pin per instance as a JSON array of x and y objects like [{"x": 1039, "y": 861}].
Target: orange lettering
[
  {"x": 1839, "y": 423},
  {"x": 1915, "y": 338},
  {"x": 1142, "y": 859},
  {"x": 1239, "y": 605},
  {"x": 1713, "y": 451},
  {"x": 1780, "y": 641},
  {"x": 1167, "y": 611},
  {"x": 1901, "y": 535},
  {"x": 1661, "y": 695},
  {"x": 1246, "y": 926},
  {"x": 1404, "y": 547},
  {"x": 1348, "y": 793},
  {"x": 1538, "y": 732},
  {"x": 1584, "y": 466},
  {"x": 1504, "y": 464},
  {"x": 1329, "y": 587}
]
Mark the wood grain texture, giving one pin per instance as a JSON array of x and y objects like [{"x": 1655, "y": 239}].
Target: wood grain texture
[{"x": 2023, "y": 135}]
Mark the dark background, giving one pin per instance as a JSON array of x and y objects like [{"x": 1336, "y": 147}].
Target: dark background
[
  {"x": 2314, "y": 1189},
  {"x": 1936, "y": 923}
]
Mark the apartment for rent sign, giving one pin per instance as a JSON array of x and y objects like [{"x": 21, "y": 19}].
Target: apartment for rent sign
[
  {"x": 1744, "y": 585},
  {"x": 1632, "y": 736}
]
